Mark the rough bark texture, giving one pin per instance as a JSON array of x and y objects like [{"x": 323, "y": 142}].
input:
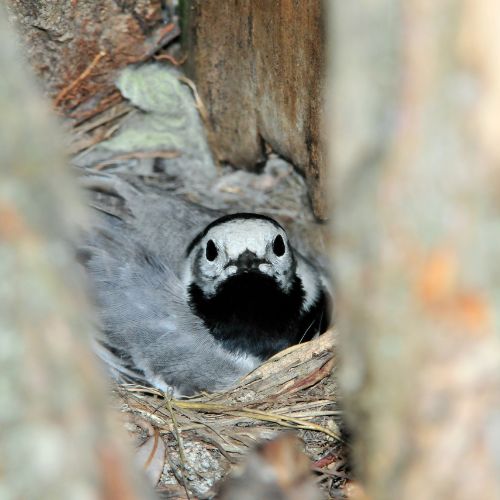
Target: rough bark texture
[
  {"x": 56, "y": 438},
  {"x": 64, "y": 38},
  {"x": 416, "y": 156},
  {"x": 258, "y": 66}
]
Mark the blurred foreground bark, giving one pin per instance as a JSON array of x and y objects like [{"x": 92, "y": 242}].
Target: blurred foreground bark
[
  {"x": 417, "y": 182},
  {"x": 57, "y": 439}
]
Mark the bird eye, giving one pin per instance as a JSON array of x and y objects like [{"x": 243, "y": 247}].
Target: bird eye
[
  {"x": 279, "y": 246},
  {"x": 211, "y": 251}
]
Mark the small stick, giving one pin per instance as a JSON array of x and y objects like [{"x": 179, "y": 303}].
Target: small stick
[
  {"x": 199, "y": 103},
  {"x": 103, "y": 105},
  {"x": 156, "y": 438},
  {"x": 282, "y": 420},
  {"x": 182, "y": 455},
  {"x": 138, "y": 155},
  {"x": 166, "y": 35},
  {"x": 171, "y": 59},
  {"x": 118, "y": 113},
  {"x": 85, "y": 73}
]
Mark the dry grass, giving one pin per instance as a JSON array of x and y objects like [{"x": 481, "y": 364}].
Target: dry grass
[{"x": 293, "y": 390}]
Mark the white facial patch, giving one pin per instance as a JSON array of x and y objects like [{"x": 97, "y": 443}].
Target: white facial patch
[
  {"x": 239, "y": 235},
  {"x": 232, "y": 239},
  {"x": 310, "y": 285},
  {"x": 265, "y": 268}
]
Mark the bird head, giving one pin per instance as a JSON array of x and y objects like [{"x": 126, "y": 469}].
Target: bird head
[{"x": 238, "y": 245}]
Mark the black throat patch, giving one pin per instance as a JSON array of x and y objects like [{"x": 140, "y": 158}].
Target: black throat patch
[{"x": 251, "y": 314}]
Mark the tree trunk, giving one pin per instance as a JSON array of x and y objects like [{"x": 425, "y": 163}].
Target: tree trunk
[
  {"x": 416, "y": 149},
  {"x": 259, "y": 69},
  {"x": 57, "y": 437}
]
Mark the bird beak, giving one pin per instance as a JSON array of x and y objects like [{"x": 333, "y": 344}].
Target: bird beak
[{"x": 247, "y": 262}]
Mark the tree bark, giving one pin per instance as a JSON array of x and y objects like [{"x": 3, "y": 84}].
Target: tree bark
[
  {"x": 416, "y": 96},
  {"x": 57, "y": 438},
  {"x": 259, "y": 69},
  {"x": 67, "y": 39}
]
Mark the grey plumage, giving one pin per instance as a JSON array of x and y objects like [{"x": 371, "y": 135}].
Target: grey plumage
[{"x": 142, "y": 277}]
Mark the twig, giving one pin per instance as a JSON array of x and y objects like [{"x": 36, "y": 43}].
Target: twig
[
  {"x": 198, "y": 102},
  {"x": 282, "y": 420},
  {"x": 104, "y": 104},
  {"x": 190, "y": 416},
  {"x": 85, "y": 73},
  {"x": 171, "y": 59},
  {"x": 137, "y": 155},
  {"x": 153, "y": 450},
  {"x": 120, "y": 111},
  {"x": 166, "y": 35},
  {"x": 112, "y": 130},
  {"x": 182, "y": 455}
]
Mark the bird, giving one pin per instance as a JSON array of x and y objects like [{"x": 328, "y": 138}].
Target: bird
[{"x": 191, "y": 299}]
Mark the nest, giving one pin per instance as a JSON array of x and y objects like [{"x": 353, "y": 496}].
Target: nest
[{"x": 190, "y": 444}]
